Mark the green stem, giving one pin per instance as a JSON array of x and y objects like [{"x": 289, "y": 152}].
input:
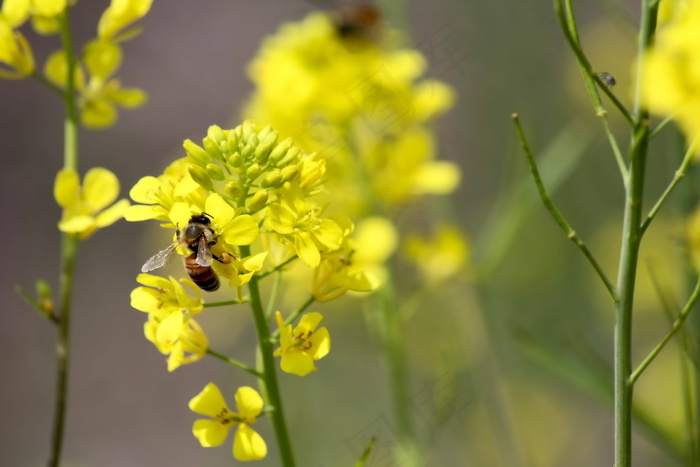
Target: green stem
[
  {"x": 629, "y": 254},
  {"x": 234, "y": 362},
  {"x": 268, "y": 382},
  {"x": 557, "y": 215},
  {"x": 69, "y": 250},
  {"x": 225, "y": 303}
]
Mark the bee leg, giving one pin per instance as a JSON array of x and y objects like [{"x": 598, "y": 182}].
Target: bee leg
[{"x": 225, "y": 258}]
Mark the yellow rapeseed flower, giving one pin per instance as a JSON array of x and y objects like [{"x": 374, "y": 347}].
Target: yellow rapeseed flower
[
  {"x": 15, "y": 53},
  {"x": 302, "y": 346},
  {"x": 247, "y": 444}
]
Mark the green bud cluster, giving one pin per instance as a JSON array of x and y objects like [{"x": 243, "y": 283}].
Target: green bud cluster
[{"x": 246, "y": 164}]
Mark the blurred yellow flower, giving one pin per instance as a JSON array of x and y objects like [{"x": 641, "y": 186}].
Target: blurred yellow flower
[
  {"x": 441, "y": 257},
  {"x": 15, "y": 53},
  {"x": 84, "y": 207},
  {"x": 119, "y": 15},
  {"x": 364, "y": 108},
  {"x": 672, "y": 69}
]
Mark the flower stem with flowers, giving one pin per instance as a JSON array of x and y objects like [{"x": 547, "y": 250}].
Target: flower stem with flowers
[
  {"x": 83, "y": 205},
  {"x": 260, "y": 194}
]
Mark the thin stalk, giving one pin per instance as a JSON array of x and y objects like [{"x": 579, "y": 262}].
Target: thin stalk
[
  {"x": 629, "y": 254},
  {"x": 69, "y": 250},
  {"x": 680, "y": 173},
  {"x": 234, "y": 362},
  {"x": 225, "y": 303},
  {"x": 557, "y": 215},
  {"x": 677, "y": 325},
  {"x": 268, "y": 381},
  {"x": 592, "y": 80},
  {"x": 392, "y": 335},
  {"x": 290, "y": 319}
]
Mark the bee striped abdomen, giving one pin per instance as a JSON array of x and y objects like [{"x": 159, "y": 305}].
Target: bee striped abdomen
[{"x": 203, "y": 276}]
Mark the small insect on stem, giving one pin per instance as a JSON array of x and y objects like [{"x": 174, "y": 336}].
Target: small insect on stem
[{"x": 607, "y": 78}]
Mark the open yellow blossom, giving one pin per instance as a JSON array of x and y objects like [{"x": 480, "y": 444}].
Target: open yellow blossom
[
  {"x": 189, "y": 346},
  {"x": 247, "y": 444},
  {"x": 302, "y": 346},
  {"x": 299, "y": 223},
  {"x": 671, "y": 84},
  {"x": 84, "y": 207}
]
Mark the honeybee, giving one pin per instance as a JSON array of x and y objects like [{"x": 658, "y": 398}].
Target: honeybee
[
  {"x": 199, "y": 237},
  {"x": 358, "y": 20}
]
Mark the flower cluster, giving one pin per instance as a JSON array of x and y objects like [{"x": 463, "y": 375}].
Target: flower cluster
[
  {"x": 243, "y": 205},
  {"x": 98, "y": 91},
  {"x": 671, "y": 83},
  {"x": 363, "y": 106}
]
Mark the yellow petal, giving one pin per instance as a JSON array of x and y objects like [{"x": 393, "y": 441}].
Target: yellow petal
[
  {"x": 129, "y": 98},
  {"x": 145, "y": 299},
  {"x": 297, "y": 362},
  {"x": 100, "y": 188},
  {"x": 170, "y": 328},
  {"x": 143, "y": 190},
  {"x": 209, "y": 402},
  {"x": 66, "y": 189},
  {"x": 248, "y": 402},
  {"x": 49, "y": 7},
  {"x": 307, "y": 249},
  {"x": 438, "y": 177},
  {"x": 15, "y": 12},
  {"x": 112, "y": 214},
  {"x": 120, "y": 14},
  {"x": 243, "y": 230},
  {"x": 309, "y": 322},
  {"x": 76, "y": 224},
  {"x": 248, "y": 445},
  {"x": 329, "y": 234},
  {"x": 210, "y": 432},
  {"x": 97, "y": 114},
  {"x": 375, "y": 239},
  {"x": 321, "y": 344},
  {"x": 255, "y": 263},
  {"x": 140, "y": 212},
  {"x": 102, "y": 58}
]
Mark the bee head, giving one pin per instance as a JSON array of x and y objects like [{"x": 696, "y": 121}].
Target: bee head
[{"x": 202, "y": 218}]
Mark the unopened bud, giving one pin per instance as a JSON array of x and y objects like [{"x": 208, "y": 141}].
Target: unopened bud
[
  {"x": 258, "y": 201},
  {"x": 253, "y": 172},
  {"x": 200, "y": 176},
  {"x": 215, "y": 172},
  {"x": 195, "y": 153}
]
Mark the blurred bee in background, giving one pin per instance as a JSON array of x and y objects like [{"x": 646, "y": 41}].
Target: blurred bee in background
[
  {"x": 197, "y": 236},
  {"x": 358, "y": 21}
]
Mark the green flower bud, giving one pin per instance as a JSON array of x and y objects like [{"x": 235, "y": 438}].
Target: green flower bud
[
  {"x": 258, "y": 201},
  {"x": 195, "y": 153},
  {"x": 212, "y": 148},
  {"x": 214, "y": 172},
  {"x": 248, "y": 150},
  {"x": 262, "y": 152},
  {"x": 253, "y": 172},
  {"x": 233, "y": 189},
  {"x": 216, "y": 134},
  {"x": 200, "y": 176},
  {"x": 235, "y": 159},
  {"x": 291, "y": 156},
  {"x": 249, "y": 133},
  {"x": 267, "y": 135},
  {"x": 280, "y": 151},
  {"x": 232, "y": 144},
  {"x": 272, "y": 179},
  {"x": 289, "y": 172}
]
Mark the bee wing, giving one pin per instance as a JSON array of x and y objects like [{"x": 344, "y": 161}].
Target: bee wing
[
  {"x": 204, "y": 255},
  {"x": 160, "y": 259}
]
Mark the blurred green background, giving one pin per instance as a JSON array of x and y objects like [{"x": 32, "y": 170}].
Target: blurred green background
[{"x": 498, "y": 363}]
